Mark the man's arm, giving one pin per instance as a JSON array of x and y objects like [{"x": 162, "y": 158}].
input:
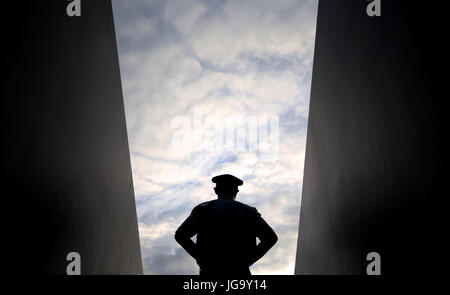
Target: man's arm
[
  {"x": 267, "y": 238},
  {"x": 186, "y": 231}
]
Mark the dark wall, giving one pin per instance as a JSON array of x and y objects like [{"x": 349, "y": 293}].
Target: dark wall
[
  {"x": 370, "y": 143},
  {"x": 67, "y": 182}
]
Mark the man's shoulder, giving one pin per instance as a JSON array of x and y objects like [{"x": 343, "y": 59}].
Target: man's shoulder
[
  {"x": 217, "y": 202},
  {"x": 246, "y": 207},
  {"x": 203, "y": 205}
]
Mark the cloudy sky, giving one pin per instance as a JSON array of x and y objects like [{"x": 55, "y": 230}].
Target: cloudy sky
[{"x": 212, "y": 87}]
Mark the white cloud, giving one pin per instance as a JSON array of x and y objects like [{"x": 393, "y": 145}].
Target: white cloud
[{"x": 186, "y": 16}]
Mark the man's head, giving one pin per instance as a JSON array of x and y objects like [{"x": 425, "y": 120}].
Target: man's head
[{"x": 226, "y": 185}]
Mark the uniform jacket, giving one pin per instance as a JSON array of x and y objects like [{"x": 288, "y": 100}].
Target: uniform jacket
[{"x": 226, "y": 236}]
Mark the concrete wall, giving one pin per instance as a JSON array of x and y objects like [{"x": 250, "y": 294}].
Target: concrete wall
[
  {"x": 66, "y": 161},
  {"x": 369, "y": 154}
]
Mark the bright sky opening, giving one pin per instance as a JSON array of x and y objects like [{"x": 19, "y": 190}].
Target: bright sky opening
[{"x": 213, "y": 87}]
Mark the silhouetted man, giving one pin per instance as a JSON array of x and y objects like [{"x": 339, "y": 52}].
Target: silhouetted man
[{"x": 226, "y": 232}]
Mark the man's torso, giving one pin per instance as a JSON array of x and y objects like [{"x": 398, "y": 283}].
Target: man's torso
[{"x": 226, "y": 235}]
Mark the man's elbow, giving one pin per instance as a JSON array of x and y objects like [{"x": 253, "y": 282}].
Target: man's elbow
[
  {"x": 274, "y": 239},
  {"x": 178, "y": 237}
]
